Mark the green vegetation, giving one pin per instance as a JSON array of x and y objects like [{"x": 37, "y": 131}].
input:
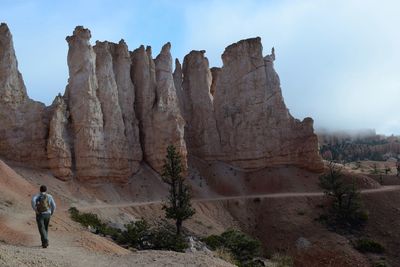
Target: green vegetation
[
  {"x": 367, "y": 245},
  {"x": 178, "y": 207},
  {"x": 350, "y": 150},
  {"x": 165, "y": 238},
  {"x": 93, "y": 221},
  {"x": 345, "y": 210},
  {"x": 138, "y": 235},
  {"x": 242, "y": 247}
]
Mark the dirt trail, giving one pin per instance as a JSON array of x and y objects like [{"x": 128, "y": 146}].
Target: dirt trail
[{"x": 272, "y": 195}]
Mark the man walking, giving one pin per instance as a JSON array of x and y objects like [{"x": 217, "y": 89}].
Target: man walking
[{"x": 44, "y": 206}]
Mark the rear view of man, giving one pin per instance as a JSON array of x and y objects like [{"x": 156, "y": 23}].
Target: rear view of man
[{"x": 44, "y": 206}]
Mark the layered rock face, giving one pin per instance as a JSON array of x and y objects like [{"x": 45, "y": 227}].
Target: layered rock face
[
  {"x": 23, "y": 122},
  {"x": 255, "y": 127},
  {"x": 121, "y": 108},
  {"x": 161, "y": 122}
]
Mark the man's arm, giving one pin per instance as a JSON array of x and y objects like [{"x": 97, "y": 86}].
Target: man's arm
[
  {"x": 52, "y": 204},
  {"x": 33, "y": 203}
]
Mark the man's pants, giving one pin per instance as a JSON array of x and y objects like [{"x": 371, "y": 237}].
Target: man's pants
[{"x": 42, "y": 221}]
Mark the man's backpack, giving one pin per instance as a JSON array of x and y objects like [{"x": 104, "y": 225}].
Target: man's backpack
[{"x": 42, "y": 203}]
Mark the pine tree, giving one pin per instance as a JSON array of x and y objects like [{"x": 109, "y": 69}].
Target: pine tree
[
  {"x": 346, "y": 206},
  {"x": 178, "y": 206}
]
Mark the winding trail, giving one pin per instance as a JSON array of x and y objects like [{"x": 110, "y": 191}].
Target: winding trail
[{"x": 261, "y": 196}]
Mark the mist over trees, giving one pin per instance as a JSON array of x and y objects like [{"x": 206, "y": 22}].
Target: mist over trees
[{"x": 355, "y": 146}]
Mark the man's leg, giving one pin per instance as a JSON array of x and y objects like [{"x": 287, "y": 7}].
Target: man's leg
[
  {"x": 46, "y": 227},
  {"x": 41, "y": 228}
]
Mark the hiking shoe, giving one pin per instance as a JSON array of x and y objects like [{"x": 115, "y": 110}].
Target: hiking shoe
[{"x": 45, "y": 245}]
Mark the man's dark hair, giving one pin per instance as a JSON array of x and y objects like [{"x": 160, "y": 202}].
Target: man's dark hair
[{"x": 43, "y": 188}]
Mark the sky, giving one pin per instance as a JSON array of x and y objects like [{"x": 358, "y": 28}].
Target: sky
[{"x": 338, "y": 60}]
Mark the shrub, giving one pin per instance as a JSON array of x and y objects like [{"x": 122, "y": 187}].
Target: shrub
[
  {"x": 345, "y": 209},
  {"x": 214, "y": 241},
  {"x": 367, "y": 245},
  {"x": 86, "y": 219},
  {"x": 137, "y": 235},
  {"x": 165, "y": 239},
  {"x": 92, "y": 220},
  {"x": 243, "y": 247}
]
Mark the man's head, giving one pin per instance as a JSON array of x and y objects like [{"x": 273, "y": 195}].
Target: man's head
[{"x": 43, "y": 188}]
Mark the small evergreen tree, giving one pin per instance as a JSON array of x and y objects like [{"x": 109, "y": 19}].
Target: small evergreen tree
[
  {"x": 346, "y": 207},
  {"x": 178, "y": 207}
]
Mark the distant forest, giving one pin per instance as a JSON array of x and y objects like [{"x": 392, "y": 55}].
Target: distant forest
[{"x": 350, "y": 147}]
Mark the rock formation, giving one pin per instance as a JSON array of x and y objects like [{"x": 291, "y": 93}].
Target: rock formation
[
  {"x": 255, "y": 127},
  {"x": 215, "y": 74},
  {"x": 85, "y": 108},
  {"x": 101, "y": 145},
  {"x": 121, "y": 108},
  {"x": 178, "y": 80},
  {"x": 23, "y": 122},
  {"x": 161, "y": 123},
  {"x": 59, "y": 142},
  {"x": 126, "y": 94},
  {"x": 201, "y": 130},
  {"x": 121, "y": 153}
]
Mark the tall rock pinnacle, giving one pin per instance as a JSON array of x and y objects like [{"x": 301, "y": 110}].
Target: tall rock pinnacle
[
  {"x": 100, "y": 142},
  {"x": 23, "y": 122},
  {"x": 12, "y": 87},
  {"x": 201, "y": 130},
  {"x": 161, "y": 123}
]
